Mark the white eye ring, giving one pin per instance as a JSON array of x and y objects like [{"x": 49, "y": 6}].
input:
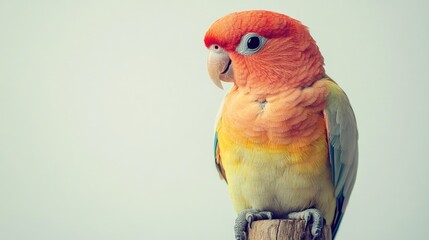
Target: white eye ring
[{"x": 250, "y": 44}]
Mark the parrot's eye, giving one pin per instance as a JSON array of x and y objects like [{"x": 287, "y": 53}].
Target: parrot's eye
[
  {"x": 253, "y": 43},
  {"x": 250, "y": 44}
]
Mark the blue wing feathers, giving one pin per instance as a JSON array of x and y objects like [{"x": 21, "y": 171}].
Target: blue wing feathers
[
  {"x": 215, "y": 145},
  {"x": 338, "y": 214}
]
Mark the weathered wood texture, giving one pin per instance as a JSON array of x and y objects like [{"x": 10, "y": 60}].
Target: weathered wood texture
[{"x": 284, "y": 230}]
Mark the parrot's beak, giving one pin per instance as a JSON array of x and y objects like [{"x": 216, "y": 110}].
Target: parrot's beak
[{"x": 219, "y": 65}]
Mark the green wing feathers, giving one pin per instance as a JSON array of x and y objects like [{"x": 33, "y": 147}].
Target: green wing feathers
[{"x": 343, "y": 150}]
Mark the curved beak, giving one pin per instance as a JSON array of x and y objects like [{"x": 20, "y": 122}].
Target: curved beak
[{"x": 219, "y": 65}]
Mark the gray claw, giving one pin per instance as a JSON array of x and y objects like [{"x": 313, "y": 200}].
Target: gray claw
[
  {"x": 255, "y": 215},
  {"x": 308, "y": 215},
  {"x": 245, "y": 219}
]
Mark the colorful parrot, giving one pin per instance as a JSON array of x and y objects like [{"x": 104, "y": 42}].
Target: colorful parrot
[{"x": 286, "y": 137}]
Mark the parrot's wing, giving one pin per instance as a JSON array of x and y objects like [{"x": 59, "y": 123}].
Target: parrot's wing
[
  {"x": 217, "y": 155},
  {"x": 218, "y": 161},
  {"x": 343, "y": 147}
]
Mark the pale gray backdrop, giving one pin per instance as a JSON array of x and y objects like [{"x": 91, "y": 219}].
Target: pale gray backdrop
[{"x": 107, "y": 115}]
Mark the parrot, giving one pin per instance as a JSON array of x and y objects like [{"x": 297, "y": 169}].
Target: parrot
[{"x": 286, "y": 139}]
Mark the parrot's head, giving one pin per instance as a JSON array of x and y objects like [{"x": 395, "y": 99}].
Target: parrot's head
[{"x": 262, "y": 50}]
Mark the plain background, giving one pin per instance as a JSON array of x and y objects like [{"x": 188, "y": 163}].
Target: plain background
[{"x": 107, "y": 115}]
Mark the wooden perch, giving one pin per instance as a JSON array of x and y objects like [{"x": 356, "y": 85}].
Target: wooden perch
[{"x": 284, "y": 229}]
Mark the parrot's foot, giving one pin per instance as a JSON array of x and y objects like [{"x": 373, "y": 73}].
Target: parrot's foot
[
  {"x": 313, "y": 215},
  {"x": 245, "y": 219}
]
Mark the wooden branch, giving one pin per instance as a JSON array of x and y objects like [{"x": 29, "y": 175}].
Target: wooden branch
[{"x": 284, "y": 229}]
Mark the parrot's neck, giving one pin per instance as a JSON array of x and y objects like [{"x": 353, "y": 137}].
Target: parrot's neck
[
  {"x": 270, "y": 87},
  {"x": 281, "y": 76}
]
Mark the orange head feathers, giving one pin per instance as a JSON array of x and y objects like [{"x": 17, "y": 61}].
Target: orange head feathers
[{"x": 262, "y": 50}]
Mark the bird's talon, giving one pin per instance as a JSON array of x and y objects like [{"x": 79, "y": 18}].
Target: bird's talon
[
  {"x": 312, "y": 215},
  {"x": 245, "y": 219}
]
